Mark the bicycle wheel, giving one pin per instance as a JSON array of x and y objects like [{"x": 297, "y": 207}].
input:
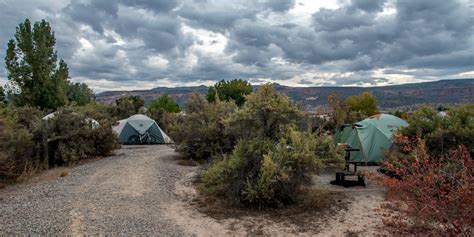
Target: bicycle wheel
[
  {"x": 152, "y": 139},
  {"x": 134, "y": 140}
]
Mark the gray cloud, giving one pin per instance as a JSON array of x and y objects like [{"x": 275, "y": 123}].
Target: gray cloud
[
  {"x": 367, "y": 5},
  {"x": 153, "y": 5},
  {"x": 207, "y": 40},
  {"x": 215, "y": 15},
  {"x": 280, "y": 5}
]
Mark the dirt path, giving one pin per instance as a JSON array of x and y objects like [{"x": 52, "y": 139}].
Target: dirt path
[
  {"x": 142, "y": 190},
  {"x": 123, "y": 194}
]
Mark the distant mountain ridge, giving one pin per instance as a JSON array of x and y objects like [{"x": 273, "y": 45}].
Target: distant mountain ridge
[{"x": 436, "y": 92}]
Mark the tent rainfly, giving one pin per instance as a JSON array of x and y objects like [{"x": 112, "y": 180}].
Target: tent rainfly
[
  {"x": 373, "y": 136},
  {"x": 140, "y": 129}
]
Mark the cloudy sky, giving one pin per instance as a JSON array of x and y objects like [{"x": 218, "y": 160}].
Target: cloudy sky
[{"x": 140, "y": 44}]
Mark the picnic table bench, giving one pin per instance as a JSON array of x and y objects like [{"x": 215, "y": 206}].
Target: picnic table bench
[{"x": 341, "y": 176}]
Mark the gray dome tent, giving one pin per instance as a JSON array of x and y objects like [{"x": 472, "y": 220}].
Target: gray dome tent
[{"x": 140, "y": 129}]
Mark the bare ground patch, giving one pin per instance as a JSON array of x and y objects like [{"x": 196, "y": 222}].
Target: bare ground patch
[
  {"x": 363, "y": 215},
  {"x": 206, "y": 216}
]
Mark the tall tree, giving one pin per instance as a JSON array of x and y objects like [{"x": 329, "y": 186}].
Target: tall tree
[
  {"x": 33, "y": 69},
  {"x": 80, "y": 93},
  {"x": 364, "y": 104},
  {"x": 235, "y": 90},
  {"x": 338, "y": 109},
  {"x": 165, "y": 103},
  {"x": 129, "y": 105},
  {"x": 162, "y": 110},
  {"x": 2, "y": 95}
]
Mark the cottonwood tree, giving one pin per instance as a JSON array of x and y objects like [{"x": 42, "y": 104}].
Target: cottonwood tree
[
  {"x": 164, "y": 102},
  {"x": 129, "y": 105},
  {"x": 363, "y": 104},
  {"x": 162, "y": 110},
  {"x": 235, "y": 90},
  {"x": 354, "y": 108},
  {"x": 80, "y": 93},
  {"x": 35, "y": 75}
]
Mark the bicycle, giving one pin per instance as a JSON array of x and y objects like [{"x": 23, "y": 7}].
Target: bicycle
[{"x": 141, "y": 139}]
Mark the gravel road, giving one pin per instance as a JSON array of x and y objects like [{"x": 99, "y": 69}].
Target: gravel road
[{"x": 123, "y": 194}]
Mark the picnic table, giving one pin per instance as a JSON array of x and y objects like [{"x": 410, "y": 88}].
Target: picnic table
[{"x": 341, "y": 176}]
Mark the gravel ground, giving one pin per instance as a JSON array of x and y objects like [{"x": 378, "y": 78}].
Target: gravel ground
[{"x": 123, "y": 194}]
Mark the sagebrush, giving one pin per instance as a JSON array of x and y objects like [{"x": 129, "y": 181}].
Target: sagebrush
[{"x": 261, "y": 172}]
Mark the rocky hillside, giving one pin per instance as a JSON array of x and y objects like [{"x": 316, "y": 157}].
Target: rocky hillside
[{"x": 438, "y": 92}]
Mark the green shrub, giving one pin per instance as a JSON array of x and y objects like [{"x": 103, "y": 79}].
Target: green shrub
[
  {"x": 200, "y": 133},
  {"x": 18, "y": 151},
  {"x": 19, "y": 141},
  {"x": 104, "y": 114},
  {"x": 29, "y": 144},
  {"x": 71, "y": 137},
  {"x": 442, "y": 133},
  {"x": 262, "y": 173},
  {"x": 263, "y": 114},
  {"x": 272, "y": 163}
]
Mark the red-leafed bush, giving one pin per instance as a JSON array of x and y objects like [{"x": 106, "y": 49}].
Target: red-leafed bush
[{"x": 432, "y": 195}]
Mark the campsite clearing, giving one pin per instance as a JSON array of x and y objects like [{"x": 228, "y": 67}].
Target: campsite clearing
[{"x": 142, "y": 190}]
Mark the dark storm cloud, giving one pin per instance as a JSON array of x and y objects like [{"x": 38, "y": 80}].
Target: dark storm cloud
[
  {"x": 158, "y": 31},
  {"x": 219, "y": 15},
  {"x": 341, "y": 19},
  {"x": 254, "y": 42},
  {"x": 421, "y": 34},
  {"x": 146, "y": 40},
  {"x": 92, "y": 15},
  {"x": 424, "y": 33},
  {"x": 203, "y": 14}
]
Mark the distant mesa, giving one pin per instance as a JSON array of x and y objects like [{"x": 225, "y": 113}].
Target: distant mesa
[{"x": 436, "y": 92}]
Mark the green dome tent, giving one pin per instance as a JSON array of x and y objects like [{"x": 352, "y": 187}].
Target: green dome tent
[
  {"x": 373, "y": 136},
  {"x": 140, "y": 129}
]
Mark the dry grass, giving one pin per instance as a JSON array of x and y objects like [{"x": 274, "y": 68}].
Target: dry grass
[
  {"x": 64, "y": 173},
  {"x": 29, "y": 172},
  {"x": 51, "y": 174}
]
